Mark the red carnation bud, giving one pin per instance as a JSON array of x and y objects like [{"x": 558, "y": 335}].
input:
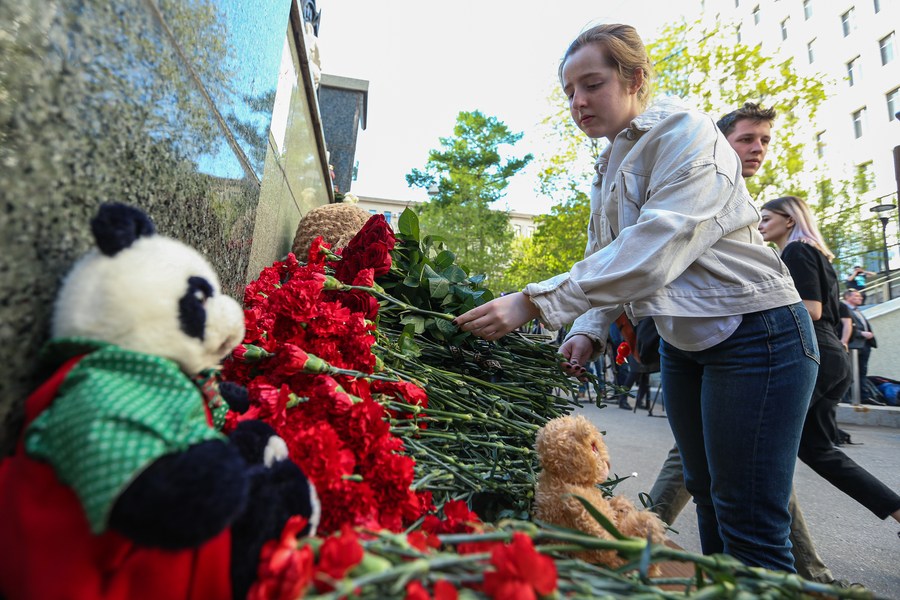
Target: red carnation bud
[
  {"x": 624, "y": 349},
  {"x": 292, "y": 359},
  {"x": 250, "y": 353},
  {"x": 332, "y": 284}
]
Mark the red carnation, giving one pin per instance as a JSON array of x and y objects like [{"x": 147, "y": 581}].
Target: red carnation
[
  {"x": 443, "y": 590},
  {"x": 522, "y": 573},
  {"x": 336, "y": 557},
  {"x": 284, "y": 570}
]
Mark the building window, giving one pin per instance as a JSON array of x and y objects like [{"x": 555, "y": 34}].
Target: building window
[
  {"x": 854, "y": 71},
  {"x": 859, "y": 122},
  {"x": 387, "y": 216},
  {"x": 848, "y": 21},
  {"x": 887, "y": 48},
  {"x": 784, "y": 29},
  {"x": 807, "y": 9},
  {"x": 811, "y": 51},
  {"x": 877, "y": 6},
  {"x": 756, "y": 15},
  {"x": 372, "y": 211},
  {"x": 820, "y": 144},
  {"x": 893, "y": 103},
  {"x": 518, "y": 230}
]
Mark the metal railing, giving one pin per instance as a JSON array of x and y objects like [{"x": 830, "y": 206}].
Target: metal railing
[{"x": 876, "y": 290}]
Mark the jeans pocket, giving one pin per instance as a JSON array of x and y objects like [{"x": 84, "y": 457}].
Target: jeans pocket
[{"x": 805, "y": 329}]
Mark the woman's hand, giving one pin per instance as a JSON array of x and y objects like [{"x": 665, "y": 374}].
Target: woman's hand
[
  {"x": 577, "y": 350},
  {"x": 498, "y": 317}
]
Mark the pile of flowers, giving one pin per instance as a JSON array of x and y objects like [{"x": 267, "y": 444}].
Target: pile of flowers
[
  {"x": 308, "y": 365},
  {"x": 343, "y": 563},
  {"x": 340, "y": 370}
]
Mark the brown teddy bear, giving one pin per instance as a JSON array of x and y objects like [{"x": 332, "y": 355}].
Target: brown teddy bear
[{"x": 574, "y": 459}]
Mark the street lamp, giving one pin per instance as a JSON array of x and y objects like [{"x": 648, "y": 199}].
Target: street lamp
[{"x": 882, "y": 211}]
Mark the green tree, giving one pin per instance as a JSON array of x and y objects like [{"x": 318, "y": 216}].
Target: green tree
[
  {"x": 701, "y": 62},
  {"x": 558, "y": 242},
  {"x": 466, "y": 176},
  {"x": 855, "y": 239},
  {"x": 564, "y": 176}
]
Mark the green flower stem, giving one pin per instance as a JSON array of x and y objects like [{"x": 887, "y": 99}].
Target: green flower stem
[
  {"x": 331, "y": 285},
  {"x": 431, "y": 479},
  {"x": 443, "y": 461},
  {"x": 402, "y": 571},
  {"x": 469, "y": 440},
  {"x": 430, "y": 412}
]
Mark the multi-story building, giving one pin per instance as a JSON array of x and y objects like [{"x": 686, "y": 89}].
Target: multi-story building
[
  {"x": 854, "y": 46},
  {"x": 522, "y": 223}
]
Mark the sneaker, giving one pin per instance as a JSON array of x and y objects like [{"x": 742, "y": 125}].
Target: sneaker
[{"x": 846, "y": 585}]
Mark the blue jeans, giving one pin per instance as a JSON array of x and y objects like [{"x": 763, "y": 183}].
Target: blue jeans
[{"x": 737, "y": 411}]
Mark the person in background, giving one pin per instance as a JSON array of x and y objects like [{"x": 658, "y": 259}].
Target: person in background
[
  {"x": 788, "y": 223},
  {"x": 737, "y": 353},
  {"x": 857, "y": 280},
  {"x": 863, "y": 341},
  {"x": 624, "y": 376},
  {"x": 748, "y": 130}
]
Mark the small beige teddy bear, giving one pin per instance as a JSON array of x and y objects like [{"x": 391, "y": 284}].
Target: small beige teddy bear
[{"x": 574, "y": 459}]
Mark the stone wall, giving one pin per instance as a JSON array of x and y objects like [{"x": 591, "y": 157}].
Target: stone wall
[
  {"x": 885, "y": 321},
  {"x": 169, "y": 105}
]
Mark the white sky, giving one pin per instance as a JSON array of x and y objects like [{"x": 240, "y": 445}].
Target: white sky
[{"x": 427, "y": 60}]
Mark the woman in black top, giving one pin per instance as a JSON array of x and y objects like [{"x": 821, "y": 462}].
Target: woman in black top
[{"x": 788, "y": 223}]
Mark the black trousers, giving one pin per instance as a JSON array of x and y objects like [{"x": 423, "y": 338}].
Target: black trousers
[{"x": 816, "y": 442}]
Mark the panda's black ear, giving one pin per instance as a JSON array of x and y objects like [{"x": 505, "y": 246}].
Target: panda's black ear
[{"x": 117, "y": 226}]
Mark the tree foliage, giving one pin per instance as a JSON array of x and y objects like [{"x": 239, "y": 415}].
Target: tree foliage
[
  {"x": 465, "y": 177},
  {"x": 701, "y": 62},
  {"x": 558, "y": 242}
]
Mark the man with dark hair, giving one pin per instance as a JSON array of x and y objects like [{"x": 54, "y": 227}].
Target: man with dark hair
[
  {"x": 749, "y": 131},
  {"x": 862, "y": 339}
]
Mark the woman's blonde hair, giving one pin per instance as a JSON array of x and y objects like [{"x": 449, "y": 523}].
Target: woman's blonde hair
[
  {"x": 805, "y": 228},
  {"x": 624, "y": 50}
]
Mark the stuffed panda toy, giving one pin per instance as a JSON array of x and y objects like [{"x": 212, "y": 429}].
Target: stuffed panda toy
[{"x": 120, "y": 487}]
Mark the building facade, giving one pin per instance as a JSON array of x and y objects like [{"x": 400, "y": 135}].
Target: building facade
[{"x": 522, "y": 223}]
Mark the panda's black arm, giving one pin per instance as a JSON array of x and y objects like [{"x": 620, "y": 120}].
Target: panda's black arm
[{"x": 184, "y": 499}]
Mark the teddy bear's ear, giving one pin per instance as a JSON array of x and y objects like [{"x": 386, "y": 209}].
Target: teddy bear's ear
[{"x": 117, "y": 226}]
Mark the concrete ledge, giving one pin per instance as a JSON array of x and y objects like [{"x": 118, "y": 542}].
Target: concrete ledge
[{"x": 865, "y": 414}]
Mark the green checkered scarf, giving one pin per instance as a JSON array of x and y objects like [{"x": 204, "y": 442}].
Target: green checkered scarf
[{"x": 117, "y": 411}]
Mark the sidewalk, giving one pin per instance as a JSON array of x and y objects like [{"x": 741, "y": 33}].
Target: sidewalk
[
  {"x": 847, "y": 414},
  {"x": 865, "y": 414},
  {"x": 853, "y": 543}
]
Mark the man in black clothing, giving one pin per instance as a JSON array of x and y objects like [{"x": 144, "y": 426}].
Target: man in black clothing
[{"x": 862, "y": 340}]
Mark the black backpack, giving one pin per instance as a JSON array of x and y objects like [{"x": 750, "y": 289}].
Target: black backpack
[{"x": 647, "y": 340}]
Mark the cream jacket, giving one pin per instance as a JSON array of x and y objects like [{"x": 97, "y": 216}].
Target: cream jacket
[{"x": 673, "y": 231}]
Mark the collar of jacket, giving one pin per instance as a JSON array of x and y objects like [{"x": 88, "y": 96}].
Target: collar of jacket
[{"x": 642, "y": 123}]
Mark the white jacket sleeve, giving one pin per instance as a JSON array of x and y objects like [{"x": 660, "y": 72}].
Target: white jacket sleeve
[{"x": 675, "y": 225}]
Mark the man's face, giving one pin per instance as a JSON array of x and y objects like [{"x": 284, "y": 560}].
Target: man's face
[
  {"x": 854, "y": 299},
  {"x": 750, "y": 139}
]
